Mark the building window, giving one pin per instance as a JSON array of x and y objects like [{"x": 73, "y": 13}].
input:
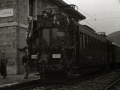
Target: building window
[
  {"x": 31, "y": 2},
  {"x": 32, "y": 7}
]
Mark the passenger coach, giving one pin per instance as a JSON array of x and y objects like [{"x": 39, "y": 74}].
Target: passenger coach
[{"x": 92, "y": 49}]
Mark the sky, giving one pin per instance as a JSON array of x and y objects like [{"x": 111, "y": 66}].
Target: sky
[{"x": 101, "y": 15}]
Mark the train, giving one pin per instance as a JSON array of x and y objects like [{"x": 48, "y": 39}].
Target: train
[{"x": 59, "y": 47}]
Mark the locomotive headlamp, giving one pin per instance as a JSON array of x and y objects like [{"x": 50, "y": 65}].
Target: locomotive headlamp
[{"x": 45, "y": 15}]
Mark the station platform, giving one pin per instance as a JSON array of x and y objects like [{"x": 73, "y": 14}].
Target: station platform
[{"x": 15, "y": 79}]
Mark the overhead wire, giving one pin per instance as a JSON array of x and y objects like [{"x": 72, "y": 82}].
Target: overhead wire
[
  {"x": 85, "y": 20},
  {"x": 106, "y": 13},
  {"x": 95, "y": 20},
  {"x": 91, "y": 17},
  {"x": 102, "y": 26},
  {"x": 92, "y": 26},
  {"x": 106, "y": 18}
]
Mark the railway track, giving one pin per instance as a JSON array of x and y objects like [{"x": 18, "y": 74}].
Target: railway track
[
  {"x": 45, "y": 85},
  {"x": 34, "y": 85},
  {"x": 41, "y": 84},
  {"x": 114, "y": 86},
  {"x": 74, "y": 82},
  {"x": 29, "y": 87},
  {"x": 25, "y": 85}
]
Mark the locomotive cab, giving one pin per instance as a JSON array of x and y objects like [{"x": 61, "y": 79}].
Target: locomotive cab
[{"x": 52, "y": 42}]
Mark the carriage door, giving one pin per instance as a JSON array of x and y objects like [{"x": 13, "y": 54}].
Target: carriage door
[{"x": 77, "y": 46}]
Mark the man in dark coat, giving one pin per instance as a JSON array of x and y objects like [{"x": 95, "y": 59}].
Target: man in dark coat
[
  {"x": 25, "y": 63},
  {"x": 4, "y": 62}
]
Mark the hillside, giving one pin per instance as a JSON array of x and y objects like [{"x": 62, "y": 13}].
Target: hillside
[{"x": 115, "y": 37}]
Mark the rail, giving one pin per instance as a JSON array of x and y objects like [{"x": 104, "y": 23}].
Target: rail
[{"x": 111, "y": 85}]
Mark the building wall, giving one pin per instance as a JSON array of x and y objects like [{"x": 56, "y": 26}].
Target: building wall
[
  {"x": 8, "y": 35},
  {"x": 7, "y": 4},
  {"x": 23, "y": 12},
  {"x": 8, "y": 45}
]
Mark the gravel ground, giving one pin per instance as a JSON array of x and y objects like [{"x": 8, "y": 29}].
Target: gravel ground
[
  {"x": 98, "y": 83},
  {"x": 117, "y": 87}
]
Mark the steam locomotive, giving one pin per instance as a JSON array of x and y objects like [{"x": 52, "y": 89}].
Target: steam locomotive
[{"x": 59, "y": 47}]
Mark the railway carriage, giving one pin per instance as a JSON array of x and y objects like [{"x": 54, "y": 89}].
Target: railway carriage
[
  {"x": 116, "y": 54},
  {"x": 93, "y": 54}
]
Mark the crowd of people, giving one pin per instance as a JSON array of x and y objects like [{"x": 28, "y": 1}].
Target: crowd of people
[{"x": 4, "y": 62}]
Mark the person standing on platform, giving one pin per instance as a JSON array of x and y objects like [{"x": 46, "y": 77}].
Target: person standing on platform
[
  {"x": 25, "y": 63},
  {"x": 4, "y": 62}
]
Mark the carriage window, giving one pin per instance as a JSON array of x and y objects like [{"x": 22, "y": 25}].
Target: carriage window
[
  {"x": 95, "y": 45},
  {"x": 99, "y": 46},
  {"x": 90, "y": 42},
  {"x": 105, "y": 47},
  {"x": 54, "y": 36},
  {"x": 81, "y": 40},
  {"x": 45, "y": 37},
  {"x": 102, "y": 47},
  {"x": 84, "y": 46},
  {"x": 87, "y": 42}
]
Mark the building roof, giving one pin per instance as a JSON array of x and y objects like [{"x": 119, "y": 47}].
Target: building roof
[{"x": 67, "y": 8}]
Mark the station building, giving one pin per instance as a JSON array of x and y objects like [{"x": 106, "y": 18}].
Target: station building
[{"x": 14, "y": 25}]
